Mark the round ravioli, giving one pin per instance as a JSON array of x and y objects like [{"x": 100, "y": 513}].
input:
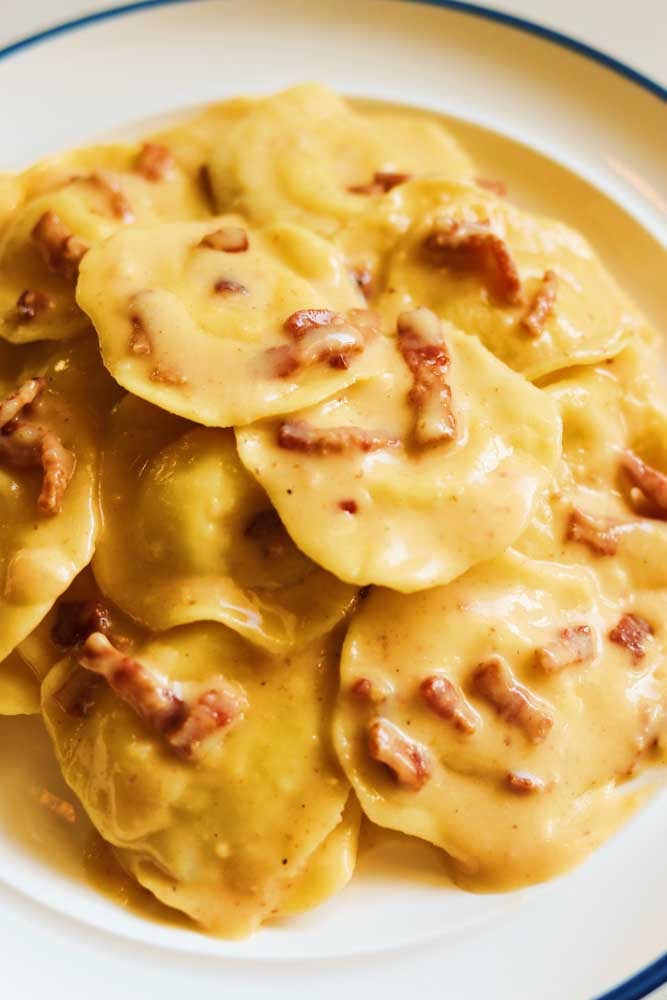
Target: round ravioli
[
  {"x": 19, "y": 689},
  {"x": 495, "y": 717},
  {"x": 48, "y": 476},
  {"x": 189, "y": 535},
  {"x": 225, "y": 325},
  {"x": 68, "y": 204},
  {"x": 220, "y": 827},
  {"x": 306, "y": 156},
  {"x": 380, "y": 489},
  {"x": 530, "y": 288}
]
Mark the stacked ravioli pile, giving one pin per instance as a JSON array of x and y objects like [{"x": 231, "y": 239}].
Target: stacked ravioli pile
[{"x": 329, "y": 479}]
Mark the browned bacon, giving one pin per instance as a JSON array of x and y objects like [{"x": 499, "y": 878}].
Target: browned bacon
[
  {"x": 474, "y": 245},
  {"x": 383, "y": 181},
  {"x": 492, "y": 184},
  {"x": 542, "y": 305},
  {"x": 522, "y": 783},
  {"x": 424, "y": 350},
  {"x": 109, "y": 187},
  {"x": 493, "y": 681},
  {"x": 227, "y": 239},
  {"x": 322, "y": 335},
  {"x": 185, "y": 722},
  {"x": 408, "y": 761},
  {"x": 599, "y": 533},
  {"x": 59, "y": 247},
  {"x": 76, "y": 620},
  {"x": 298, "y": 435},
  {"x": 154, "y": 162},
  {"x": 227, "y": 286},
  {"x": 632, "y": 632},
  {"x": 364, "y": 690},
  {"x": 573, "y": 645},
  {"x": 653, "y": 484},
  {"x": 31, "y": 303},
  {"x": 447, "y": 701}
]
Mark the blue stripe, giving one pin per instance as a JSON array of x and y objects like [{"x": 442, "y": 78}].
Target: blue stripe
[{"x": 654, "y": 975}]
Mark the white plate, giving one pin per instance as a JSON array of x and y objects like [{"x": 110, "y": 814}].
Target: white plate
[{"x": 597, "y": 158}]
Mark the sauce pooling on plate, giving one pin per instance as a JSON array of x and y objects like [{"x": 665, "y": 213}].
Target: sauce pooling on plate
[{"x": 334, "y": 487}]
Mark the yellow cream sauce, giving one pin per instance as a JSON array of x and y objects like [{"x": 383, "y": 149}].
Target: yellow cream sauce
[{"x": 225, "y": 547}]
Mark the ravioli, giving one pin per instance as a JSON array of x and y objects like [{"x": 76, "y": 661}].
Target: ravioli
[
  {"x": 219, "y": 335},
  {"x": 462, "y": 721},
  {"x": 41, "y": 552},
  {"x": 402, "y": 514},
  {"x": 223, "y": 839},
  {"x": 481, "y": 262},
  {"x": 189, "y": 535},
  {"x": 69, "y": 203},
  {"x": 305, "y": 156}
]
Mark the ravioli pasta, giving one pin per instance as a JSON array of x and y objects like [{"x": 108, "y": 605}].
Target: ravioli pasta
[{"x": 333, "y": 490}]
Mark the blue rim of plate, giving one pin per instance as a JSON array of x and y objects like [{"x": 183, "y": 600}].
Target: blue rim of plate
[{"x": 655, "y": 975}]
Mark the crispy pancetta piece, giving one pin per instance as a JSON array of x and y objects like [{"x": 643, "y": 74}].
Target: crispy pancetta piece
[
  {"x": 154, "y": 162},
  {"x": 185, "y": 717},
  {"x": 408, "y": 761},
  {"x": 76, "y": 620},
  {"x": 601, "y": 534},
  {"x": 109, "y": 187},
  {"x": 447, "y": 701},
  {"x": 227, "y": 286},
  {"x": 25, "y": 443},
  {"x": 493, "y": 681},
  {"x": 653, "y": 484},
  {"x": 383, "y": 181},
  {"x": 573, "y": 645},
  {"x": 364, "y": 690},
  {"x": 541, "y": 305},
  {"x": 59, "y": 247},
  {"x": 298, "y": 435},
  {"x": 632, "y": 632},
  {"x": 322, "y": 335},
  {"x": 522, "y": 783},
  {"x": 474, "y": 245},
  {"x": 422, "y": 344},
  {"x": 227, "y": 239},
  {"x": 493, "y": 184},
  {"x": 31, "y": 303}
]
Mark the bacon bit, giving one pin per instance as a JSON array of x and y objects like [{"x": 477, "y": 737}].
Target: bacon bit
[
  {"x": 365, "y": 690},
  {"x": 60, "y": 248},
  {"x": 322, "y": 335},
  {"x": 383, "y": 181},
  {"x": 31, "y": 303},
  {"x": 206, "y": 184},
  {"x": 573, "y": 645},
  {"x": 140, "y": 341},
  {"x": 522, "y": 783},
  {"x": 26, "y": 394},
  {"x": 475, "y": 245},
  {"x": 184, "y": 722},
  {"x": 424, "y": 350},
  {"x": 298, "y": 435},
  {"x": 76, "y": 620},
  {"x": 492, "y": 184},
  {"x": 408, "y": 761},
  {"x": 364, "y": 279},
  {"x": 349, "y": 506},
  {"x": 59, "y": 807},
  {"x": 268, "y": 532},
  {"x": 229, "y": 239},
  {"x": 493, "y": 681},
  {"x": 155, "y": 162},
  {"x": 601, "y": 534},
  {"x": 109, "y": 187},
  {"x": 631, "y": 632},
  {"x": 168, "y": 374},
  {"x": 227, "y": 286},
  {"x": 653, "y": 484},
  {"x": 448, "y": 702},
  {"x": 542, "y": 305}
]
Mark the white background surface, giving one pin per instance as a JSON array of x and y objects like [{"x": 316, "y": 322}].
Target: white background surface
[{"x": 636, "y": 33}]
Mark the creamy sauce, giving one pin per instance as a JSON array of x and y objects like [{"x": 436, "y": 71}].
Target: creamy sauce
[{"x": 503, "y": 683}]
